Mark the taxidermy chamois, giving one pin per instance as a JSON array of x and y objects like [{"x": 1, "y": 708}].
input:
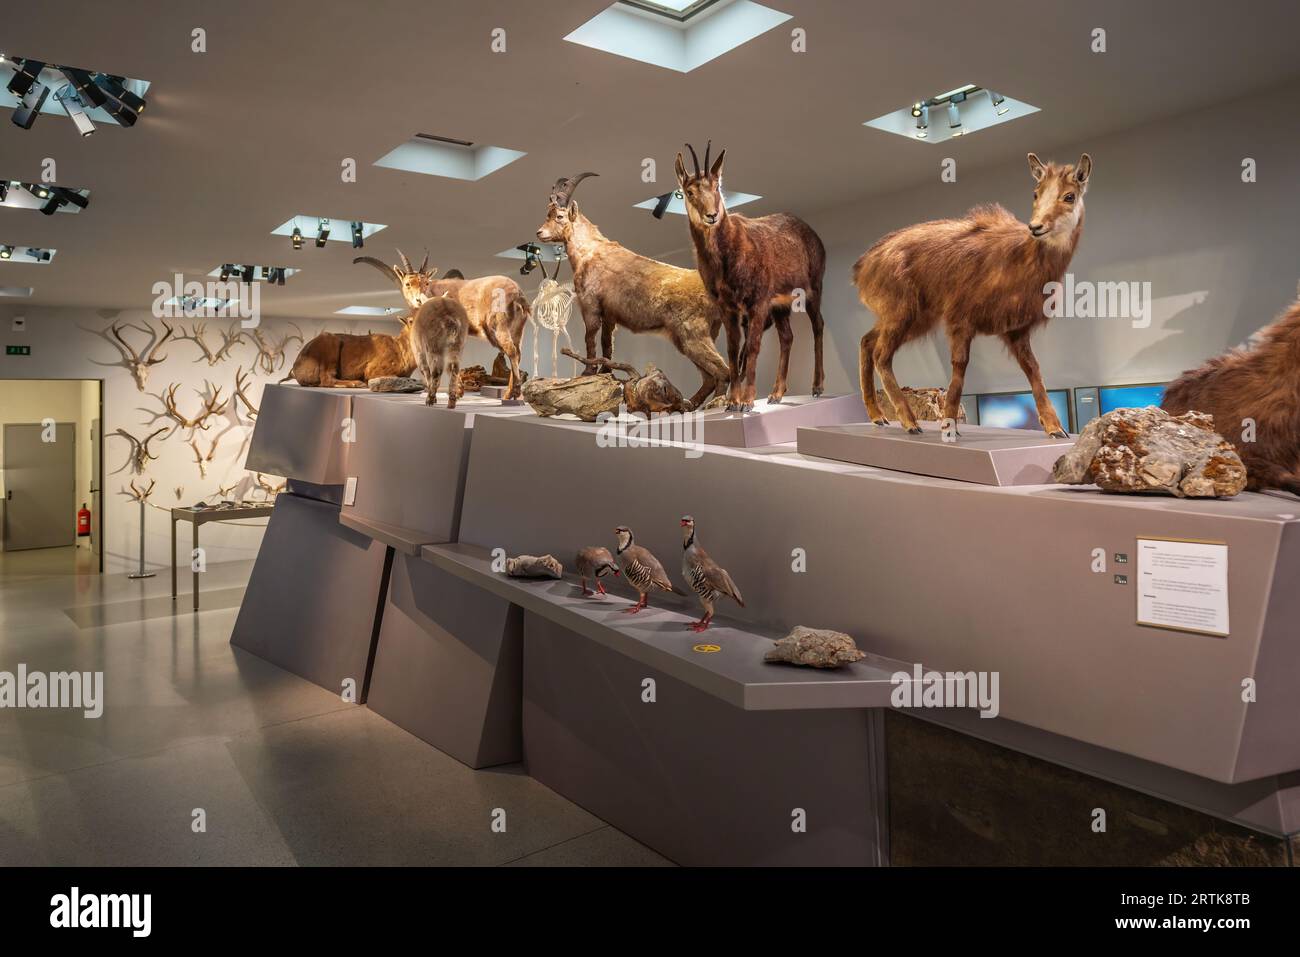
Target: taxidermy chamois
[
  {"x": 753, "y": 268},
  {"x": 617, "y": 287},
  {"x": 495, "y": 305},
  {"x": 1261, "y": 384},
  {"x": 438, "y": 335},
  {"x": 983, "y": 274},
  {"x": 339, "y": 360}
]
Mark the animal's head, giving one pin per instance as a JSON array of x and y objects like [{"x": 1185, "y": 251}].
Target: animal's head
[
  {"x": 413, "y": 283},
  {"x": 605, "y": 564},
  {"x": 1058, "y": 197},
  {"x": 561, "y": 210},
  {"x": 688, "y": 529},
  {"x": 702, "y": 190},
  {"x": 623, "y": 535}
]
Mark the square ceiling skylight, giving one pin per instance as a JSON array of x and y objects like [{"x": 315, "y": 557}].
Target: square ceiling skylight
[
  {"x": 340, "y": 229},
  {"x": 372, "y": 311},
  {"x": 28, "y": 255},
  {"x": 101, "y": 99},
  {"x": 632, "y": 30},
  {"x": 16, "y": 292},
  {"x": 442, "y": 156},
  {"x": 932, "y": 120},
  {"x": 678, "y": 205},
  {"x": 42, "y": 196}
]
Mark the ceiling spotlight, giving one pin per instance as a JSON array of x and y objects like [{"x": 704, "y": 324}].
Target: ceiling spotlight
[
  {"x": 322, "y": 233},
  {"x": 998, "y": 100},
  {"x": 73, "y": 197},
  {"x": 42, "y": 254},
  {"x": 532, "y": 258},
  {"x": 922, "y": 120},
  {"x": 917, "y": 107},
  {"x": 6, "y": 252},
  {"x": 24, "y": 77},
  {"x": 57, "y": 198},
  {"x": 87, "y": 91},
  {"x": 297, "y": 238},
  {"x": 225, "y": 271},
  {"x": 29, "y": 106},
  {"x": 72, "y": 103},
  {"x": 661, "y": 203},
  {"x": 954, "y": 119},
  {"x": 358, "y": 239},
  {"x": 113, "y": 86},
  {"x": 249, "y": 273}
]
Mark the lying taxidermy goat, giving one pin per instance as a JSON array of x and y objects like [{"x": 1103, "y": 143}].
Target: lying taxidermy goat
[
  {"x": 438, "y": 335},
  {"x": 341, "y": 360}
]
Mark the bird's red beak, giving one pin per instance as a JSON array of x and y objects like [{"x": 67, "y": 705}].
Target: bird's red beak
[{"x": 684, "y": 524}]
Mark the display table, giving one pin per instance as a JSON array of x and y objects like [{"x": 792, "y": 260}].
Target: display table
[{"x": 200, "y": 516}]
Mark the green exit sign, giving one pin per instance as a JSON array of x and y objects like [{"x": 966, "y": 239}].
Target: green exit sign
[{"x": 18, "y": 350}]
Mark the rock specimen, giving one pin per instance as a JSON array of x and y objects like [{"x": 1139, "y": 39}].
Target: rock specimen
[
  {"x": 534, "y": 566},
  {"x": 815, "y": 648},
  {"x": 926, "y": 404},
  {"x": 472, "y": 379},
  {"x": 1149, "y": 450},
  {"x": 587, "y": 396},
  {"x": 395, "y": 383}
]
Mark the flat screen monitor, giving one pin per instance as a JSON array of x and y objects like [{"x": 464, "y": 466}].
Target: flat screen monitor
[
  {"x": 1016, "y": 410},
  {"x": 1112, "y": 397}
]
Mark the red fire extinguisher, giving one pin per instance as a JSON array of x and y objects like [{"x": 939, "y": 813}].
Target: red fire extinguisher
[{"x": 83, "y": 521}]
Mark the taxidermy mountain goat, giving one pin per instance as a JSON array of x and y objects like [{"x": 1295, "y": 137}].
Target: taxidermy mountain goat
[
  {"x": 438, "y": 334},
  {"x": 345, "y": 361},
  {"x": 617, "y": 287},
  {"x": 983, "y": 274},
  {"x": 1260, "y": 385},
  {"x": 496, "y": 306},
  {"x": 754, "y": 269}
]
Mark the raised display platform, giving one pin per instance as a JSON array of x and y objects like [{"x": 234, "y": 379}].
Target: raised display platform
[
  {"x": 775, "y": 424},
  {"x": 300, "y": 433},
  {"x": 982, "y": 454}
]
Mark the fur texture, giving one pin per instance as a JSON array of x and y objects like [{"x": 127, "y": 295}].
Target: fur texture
[
  {"x": 438, "y": 335},
  {"x": 1262, "y": 384},
  {"x": 982, "y": 274},
  {"x": 497, "y": 312},
  {"x": 346, "y": 361}
]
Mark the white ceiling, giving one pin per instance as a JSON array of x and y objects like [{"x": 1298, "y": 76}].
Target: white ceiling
[{"x": 237, "y": 140}]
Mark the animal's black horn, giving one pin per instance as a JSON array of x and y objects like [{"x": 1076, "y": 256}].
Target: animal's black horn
[
  {"x": 426, "y": 261},
  {"x": 562, "y": 194},
  {"x": 695, "y": 159},
  {"x": 390, "y": 271},
  {"x": 708, "y": 148}
]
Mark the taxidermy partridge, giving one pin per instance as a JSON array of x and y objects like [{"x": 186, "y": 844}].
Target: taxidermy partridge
[
  {"x": 595, "y": 563},
  {"x": 642, "y": 569},
  {"x": 709, "y": 579}
]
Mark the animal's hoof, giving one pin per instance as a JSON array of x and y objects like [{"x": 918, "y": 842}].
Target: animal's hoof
[
  {"x": 914, "y": 430},
  {"x": 817, "y": 390},
  {"x": 880, "y": 422},
  {"x": 746, "y": 407},
  {"x": 774, "y": 399},
  {"x": 1058, "y": 434}
]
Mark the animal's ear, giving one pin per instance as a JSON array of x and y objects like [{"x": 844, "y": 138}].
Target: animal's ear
[
  {"x": 1036, "y": 168},
  {"x": 430, "y": 273},
  {"x": 680, "y": 166},
  {"x": 1083, "y": 170},
  {"x": 574, "y": 213},
  {"x": 717, "y": 165}
]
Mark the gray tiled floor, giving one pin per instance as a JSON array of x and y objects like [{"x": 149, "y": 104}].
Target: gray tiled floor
[{"x": 280, "y": 772}]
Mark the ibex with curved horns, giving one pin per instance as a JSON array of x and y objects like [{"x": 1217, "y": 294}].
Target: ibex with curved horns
[
  {"x": 758, "y": 271},
  {"x": 496, "y": 306},
  {"x": 616, "y": 287}
]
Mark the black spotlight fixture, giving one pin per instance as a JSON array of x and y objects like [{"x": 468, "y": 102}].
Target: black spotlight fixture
[
  {"x": 661, "y": 203},
  {"x": 249, "y": 273},
  {"x": 40, "y": 255},
  {"x": 24, "y": 78},
  {"x": 297, "y": 238},
  {"x": 73, "y": 197},
  {"x": 29, "y": 106},
  {"x": 358, "y": 240},
  {"x": 6, "y": 252},
  {"x": 76, "y": 110},
  {"x": 113, "y": 86},
  {"x": 225, "y": 271},
  {"x": 532, "y": 258},
  {"x": 322, "y": 233},
  {"x": 55, "y": 202},
  {"x": 81, "y": 81},
  {"x": 120, "y": 113},
  {"x": 37, "y": 190}
]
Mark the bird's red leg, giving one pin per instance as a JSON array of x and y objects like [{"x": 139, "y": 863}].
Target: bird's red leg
[
  {"x": 638, "y": 606},
  {"x": 703, "y": 623},
  {"x": 600, "y": 587}
]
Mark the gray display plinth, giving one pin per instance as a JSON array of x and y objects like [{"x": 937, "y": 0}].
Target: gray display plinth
[
  {"x": 300, "y": 434},
  {"x": 311, "y": 600},
  {"x": 700, "y": 781},
  {"x": 980, "y": 454},
  {"x": 449, "y": 665},
  {"x": 776, "y": 424},
  {"x": 959, "y": 576}
]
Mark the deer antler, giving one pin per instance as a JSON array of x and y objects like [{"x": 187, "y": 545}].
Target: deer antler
[
  {"x": 138, "y": 494},
  {"x": 139, "y": 362},
  {"x": 271, "y": 490},
  {"x": 241, "y": 382},
  {"x": 140, "y": 454},
  {"x": 203, "y": 461},
  {"x": 213, "y": 405},
  {"x": 196, "y": 335},
  {"x": 229, "y": 339}
]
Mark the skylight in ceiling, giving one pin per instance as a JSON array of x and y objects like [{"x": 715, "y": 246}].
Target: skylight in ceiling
[
  {"x": 958, "y": 112},
  {"x": 372, "y": 311},
  {"x": 661, "y": 39},
  {"x": 678, "y": 205},
  {"x": 16, "y": 292},
  {"x": 443, "y": 156},
  {"x": 29, "y": 255},
  {"x": 339, "y": 228},
  {"x": 677, "y": 9},
  {"x": 31, "y": 88},
  {"x": 239, "y": 272},
  {"x": 47, "y": 198}
]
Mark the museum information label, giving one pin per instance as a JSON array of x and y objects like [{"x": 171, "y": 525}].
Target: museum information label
[{"x": 1183, "y": 585}]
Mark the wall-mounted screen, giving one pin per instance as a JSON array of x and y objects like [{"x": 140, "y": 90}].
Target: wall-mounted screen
[
  {"x": 1114, "y": 397},
  {"x": 1016, "y": 410}
]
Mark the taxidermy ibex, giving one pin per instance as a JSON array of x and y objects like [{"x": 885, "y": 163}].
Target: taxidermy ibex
[
  {"x": 983, "y": 274},
  {"x": 754, "y": 270},
  {"x": 1261, "y": 384},
  {"x": 617, "y": 287},
  {"x": 341, "y": 360},
  {"x": 495, "y": 305},
  {"x": 438, "y": 334}
]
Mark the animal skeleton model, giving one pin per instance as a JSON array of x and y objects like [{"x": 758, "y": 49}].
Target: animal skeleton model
[
  {"x": 138, "y": 362},
  {"x": 495, "y": 305},
  {"x": 271, "y": 352},
  {"x": 230, "y": 337},
  {"x": 754, "y": 269},
  {"x": 140, "y": 454},
  {"x": 438, "y": 335},
  {"x": 552, "y": 308},
  {"x": 241, "y": 383},
  {"x": 138, "y": 494},
  {"x": 212, "y": 405},
  {"x": 982, "y": 274},
  {"x": 203, "y": 461},
  {"x": 1258, "y": 385},
  {"x": 345, "y": 361},
  {"x": 616, "y": 287}
]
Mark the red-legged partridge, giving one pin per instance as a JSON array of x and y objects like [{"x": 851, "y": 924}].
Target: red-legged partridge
[
  {"x": 709, "y": 579},
  {"x": 641, "y": 569},
  {"x": 595, "y": 563}
]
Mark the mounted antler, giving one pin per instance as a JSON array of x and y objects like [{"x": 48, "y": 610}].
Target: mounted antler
[
  {"x": 271, "y": 355},
  {"x": 196, "y": 335},
  {"x": 271, "y": 490},
  {"x": 203, "y": 461},
  {"x": 213, "y": 405},
  {"x": 230, "y": 338},
  {"x": 138, "y": 494},
  {"x": 241, "y": 383},
  {"x": 140, "y": 454},
  {"x": 562, "y": 191},
  {"x": 138, "y": 362}
]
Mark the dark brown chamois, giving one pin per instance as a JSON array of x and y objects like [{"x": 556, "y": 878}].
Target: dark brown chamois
[
  {"x": 981, "y": 275},
  {"x": 758, "y": 271},
  {"x": 1254, "y": 396}
]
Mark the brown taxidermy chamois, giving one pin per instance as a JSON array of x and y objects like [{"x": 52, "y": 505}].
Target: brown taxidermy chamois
[
  {"x": 1261, "y": 384},
  {"x": 339, "y": 360},
  {"x": 616, "y": 287},
  {"x": 496, "y": 306},
  {"x": 753, "y": 268},
  {"x": 981, "y": 275},
  {"x": 438, "y": 334}
]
